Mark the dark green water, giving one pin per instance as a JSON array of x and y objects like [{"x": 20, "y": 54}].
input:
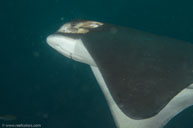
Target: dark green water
[{"x": 40, "y": 86}]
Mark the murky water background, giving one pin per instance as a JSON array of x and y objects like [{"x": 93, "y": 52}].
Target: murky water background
[{"x": 40, "y": 86}]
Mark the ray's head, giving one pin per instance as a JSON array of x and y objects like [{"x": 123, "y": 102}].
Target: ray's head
[
  {"x": 68, "y": 38},
  {"x": 65, "y": 39}
]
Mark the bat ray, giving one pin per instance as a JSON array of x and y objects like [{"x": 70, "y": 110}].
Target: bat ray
[{"x": 146, "y": 78}]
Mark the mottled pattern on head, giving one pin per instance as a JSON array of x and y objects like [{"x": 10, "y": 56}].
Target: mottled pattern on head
[{"x": 79, "y": 27}]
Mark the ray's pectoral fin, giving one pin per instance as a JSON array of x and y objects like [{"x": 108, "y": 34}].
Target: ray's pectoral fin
[
  {"x": 144, "y": 77},
  {"x": 175, "y": 106}
]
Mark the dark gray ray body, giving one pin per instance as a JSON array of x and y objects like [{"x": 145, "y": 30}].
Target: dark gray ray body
[{"x": 142, "y": 71}]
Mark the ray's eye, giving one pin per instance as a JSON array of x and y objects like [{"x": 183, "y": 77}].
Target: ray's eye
[{"x": 74, "y": 29}]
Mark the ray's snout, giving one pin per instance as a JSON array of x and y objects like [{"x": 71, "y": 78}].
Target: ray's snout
[
  {"x": 49, "y": 39},
  {"x": 63, "y": 44},
  {"x": 72, "y": 48}
]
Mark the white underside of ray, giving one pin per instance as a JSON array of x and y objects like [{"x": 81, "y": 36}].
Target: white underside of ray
[
  {"x": 74, "y": 49},
  {"x": 71, "y": 48}
]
